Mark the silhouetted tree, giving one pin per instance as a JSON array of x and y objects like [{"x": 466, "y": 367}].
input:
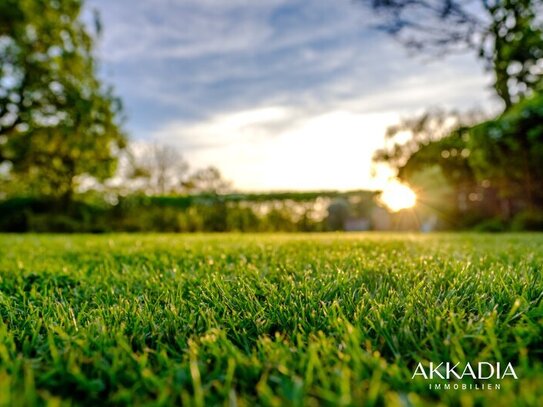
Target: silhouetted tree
[
  {"x": 156, "y": 169},
  {"x": 207, "y": 180},
  {"x": 411, "y": 134}
]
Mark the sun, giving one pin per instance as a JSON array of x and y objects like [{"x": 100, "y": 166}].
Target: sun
[{"x": 397, "y": 196}]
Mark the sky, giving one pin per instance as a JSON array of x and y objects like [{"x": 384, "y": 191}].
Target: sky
[{"x": 277, "y": 94}]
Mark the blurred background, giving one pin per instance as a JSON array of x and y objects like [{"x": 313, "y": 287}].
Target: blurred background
[{"x": 211, "y": 115}]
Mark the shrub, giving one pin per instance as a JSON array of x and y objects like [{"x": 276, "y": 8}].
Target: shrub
[
  {"x": 491, "y": 225},
  {"x": 531, "y": 220}
]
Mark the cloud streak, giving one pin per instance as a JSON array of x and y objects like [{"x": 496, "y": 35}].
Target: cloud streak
[{"x": 216, "y": 77}]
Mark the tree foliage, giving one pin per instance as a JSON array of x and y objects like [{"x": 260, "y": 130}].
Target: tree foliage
[
  {"x": 57, "y": 121},
  {"x": 411, "y": 134},
  {"x": 506, "y": 34},
  {"x": 492, "y": 167},
  {"x": 450, "y": 153},
  {"x": 207, "y": 180},
  {"x": 507, "y": 152},
  {"x": 495, "y": 164}
]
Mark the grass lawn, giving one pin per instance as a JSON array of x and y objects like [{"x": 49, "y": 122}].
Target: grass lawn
[{"x": 281, "y": 320}]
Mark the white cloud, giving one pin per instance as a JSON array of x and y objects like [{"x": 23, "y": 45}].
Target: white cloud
[
  {"x": 322, "y": 145},
  {"x": 225, "y": 129},
  {"x": 281, "y": 148},
  {"x": 183, "y": 29},
  {"x": 293, "y": 100}
]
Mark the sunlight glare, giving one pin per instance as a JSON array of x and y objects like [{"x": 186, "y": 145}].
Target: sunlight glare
[{"x": 397, "y": 196}]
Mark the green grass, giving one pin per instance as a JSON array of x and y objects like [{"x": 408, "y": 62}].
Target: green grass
[{"x": 266, "y": 319}]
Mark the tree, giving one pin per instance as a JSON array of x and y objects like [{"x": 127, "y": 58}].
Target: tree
[
  {"x": 434, "y": 146},
  {"x": 506, "y": 34},
  {"x": 57, "y": 121},
  {"x": 507, "y": 153},
  {"x": 495, "y": 164},
  {"x": 493, "y": 167},
  {"x": 156, "y": 169},
  {"x": 411, "y": 134},
  {"x": 207, "y": 180}
]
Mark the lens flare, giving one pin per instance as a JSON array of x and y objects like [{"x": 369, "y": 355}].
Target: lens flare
[{"x": 397, "y": 196}]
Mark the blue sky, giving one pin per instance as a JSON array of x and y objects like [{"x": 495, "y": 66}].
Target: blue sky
[{"x": 277, "y": 94}]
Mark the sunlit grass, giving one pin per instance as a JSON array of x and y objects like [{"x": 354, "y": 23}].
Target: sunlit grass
[{"x": 280, "y": 320}]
